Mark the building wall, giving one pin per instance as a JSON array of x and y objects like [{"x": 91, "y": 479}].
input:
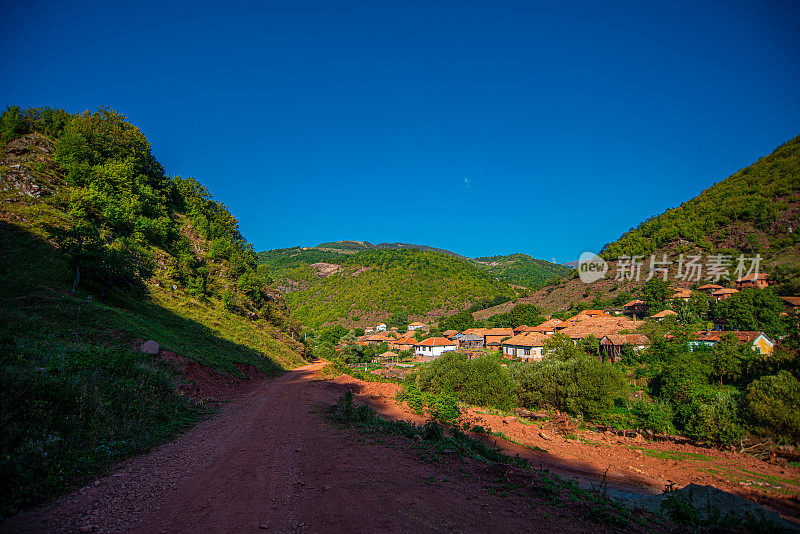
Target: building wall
[{"x": 433, "y": 352}]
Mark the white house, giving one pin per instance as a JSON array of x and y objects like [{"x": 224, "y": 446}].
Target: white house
[
  {"x": 527, "y": 345},
  {"x": 380, "y": 328},
  {"x": 433, "y": 347},
  {"x": 415, "y": 325}
]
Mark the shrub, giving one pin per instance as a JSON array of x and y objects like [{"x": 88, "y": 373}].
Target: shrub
[
  {"x": 655, "y": 416},
  {"x": 714, "y": 417},
  {"x": 482, "y": 381},
  {"x": 773, "y": 403},
  {"x": 579, "y": 385}
]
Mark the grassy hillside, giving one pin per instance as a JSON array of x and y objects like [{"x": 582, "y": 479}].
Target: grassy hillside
[
  {"x": 100, "y": 250},
  {"x": 521, "y": 269},
  {"x": 362, "y": 287},
  {"x": 755, "y": 210}
]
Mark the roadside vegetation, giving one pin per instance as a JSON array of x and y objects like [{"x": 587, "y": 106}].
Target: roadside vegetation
[{"x": 111, "y": 254}]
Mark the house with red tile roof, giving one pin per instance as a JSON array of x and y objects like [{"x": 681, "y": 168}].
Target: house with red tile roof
[
  {"x": 548, "y": 327},
  {"x": 682, "y": 294},
  {"x": 527, "y": 345},
  {"x": 635, "y": 308},
  {"x": 494, "y": 336},
  {"x": 433, "y": 347},
  {"x": 611, "y": 345},
  {"x": 792, "y": 304},
  {"x": 449, "y": 333},
  {"x": 724, "y": 293},
  {"x": 709, "y": 289},
  {"x": 404, "y": 343},
  {"x": 754, "y": 280},
  {"x": 660, "y": 316},
  {"x": 758, "y": 341}
]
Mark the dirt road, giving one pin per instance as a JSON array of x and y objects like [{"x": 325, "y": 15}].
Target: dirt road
[{"x": 269, "y": 461}]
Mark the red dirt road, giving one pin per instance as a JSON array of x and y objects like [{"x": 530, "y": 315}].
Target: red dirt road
[{"x": 269, "y": 461}]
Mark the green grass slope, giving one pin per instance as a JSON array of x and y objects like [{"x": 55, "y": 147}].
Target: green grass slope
[
  {"x": 158, "y": 259},
  {"x": 360, "y": 288},
  {"x": 755, "y": 210}
]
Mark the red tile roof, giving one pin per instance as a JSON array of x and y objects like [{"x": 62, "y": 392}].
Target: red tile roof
[
  {"x": 725, "y": 291},
  {"x": 716, "y": 335},
  {"x": 621, "y": 339},
  {"x": 709, "y": 286},
  {"x": 437, "y": 342},
  {"x": 793, "y": 301},
  {"x": 665, "y": 313},
  {"x": 528, "y": 339},
  {"x": 633, "y": 303},
  {"x": 499, "y": 332},
  {"x": 752, "y": 277}
]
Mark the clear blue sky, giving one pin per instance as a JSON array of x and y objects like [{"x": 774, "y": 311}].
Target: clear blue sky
[{"x": 481, "y": 127}]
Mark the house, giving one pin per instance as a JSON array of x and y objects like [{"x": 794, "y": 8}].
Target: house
[
  {"x": 527, "y": 345},
  {"x": 598, "y": 327},
  {"x": 414, "y": 326},
  {"x": 660, "y": 316},
  {"x": 386, "y": 356},
  {"x": 377, "y": 339},
  {"x": 548, "y": 327},
  {"x": 682, "y": 294},
  {"x": 709, "y": 289},
  {"x": 611, "y": 345},
  {"x": 433, "y": 347},
  {"x": 757, "y": 340},
  {"x": 470, "y": 341},
  {"x": 724, "y": 293},
  {"x": 792, "y": 304},
  {"x": 493, "y": 337},
  {"x": 404, "y": 343},
  {"x": 476, "y": 331},
  {"x": 754, "y": 280},
  {"x": 635, "y": 308},
  {"x": 380, "y": 328},
  {"x": 450, "y": 333},
  {"x": 369, "y": 330}
]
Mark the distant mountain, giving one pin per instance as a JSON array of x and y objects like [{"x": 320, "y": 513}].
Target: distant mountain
[
  {"x": 355, "y": 246},
  {"x": 522, "y": 269},
  {"x": 325, "y": 284}
]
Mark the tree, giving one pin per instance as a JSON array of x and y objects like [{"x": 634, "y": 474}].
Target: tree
[
  {"x": 727, "y": 358},
  {"x": 333, "y": 334},
  {"x": 655, "y": 293},
  {"x": 753, "y": 310}
]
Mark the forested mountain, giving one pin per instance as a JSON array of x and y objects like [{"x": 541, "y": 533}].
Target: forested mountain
[
  {"x": 522, "y": 269},
  {"x": 100, "y": 250},
  {"x": 361, "y": 288},
  {"x": 755, "y": 210}
]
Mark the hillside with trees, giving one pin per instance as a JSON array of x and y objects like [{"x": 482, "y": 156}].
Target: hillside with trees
[
  {"x": 755, "y": 210},
  {"x": 363, "y": 287},
  {"x": 522, "y": 269},
  {"x": 100, "y": 251}
]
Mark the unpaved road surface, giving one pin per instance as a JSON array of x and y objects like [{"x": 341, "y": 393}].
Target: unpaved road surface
[{"x": 270, "y": 461}]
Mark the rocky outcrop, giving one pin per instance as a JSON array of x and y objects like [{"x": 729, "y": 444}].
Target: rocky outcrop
[{"x": 28, "y": 167}]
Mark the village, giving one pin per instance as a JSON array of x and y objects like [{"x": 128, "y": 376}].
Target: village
[{"x": 613, "y": 329}]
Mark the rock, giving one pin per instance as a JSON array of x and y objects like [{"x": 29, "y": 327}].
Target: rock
[
  {"x": 545, "y": 436},
  {"x": 638, "y": 438},
  {"x": 263, "y": 526},
  {"x": 507, "y": 420},
  {"x": 86, "y": 528},
  {"x": 150, "y": 347}
]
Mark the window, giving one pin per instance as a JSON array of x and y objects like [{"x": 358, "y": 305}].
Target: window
[{"x": 527, "y": 352}]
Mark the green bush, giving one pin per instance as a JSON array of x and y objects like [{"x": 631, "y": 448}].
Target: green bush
[
  {"x": 578, "y": 385},
  {"x": 773, "y": 403},
  {"x": 714, "y": 417},
  {"x": 655, "y": 416},
  {"x": 480, "y": 382}
]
